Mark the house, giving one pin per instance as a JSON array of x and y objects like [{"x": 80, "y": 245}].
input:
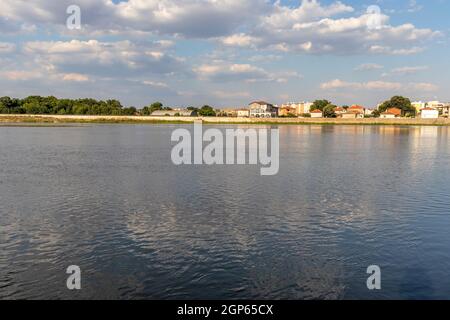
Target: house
[
  {"x": 174, "y": 113},
  {"x": 243, "y": 113},
  {"x": 434, "y": 104},
  {"x": 391, "y": 113},
  {"x": 339, "y": 111},
  {"x": 262, "y": 109},
  {"x": 445, "y": 110},
  {"x": 429, "y": 113},
  {"x": 357, "y": 110},
  {"x": 316, "y": 114},
  {"x": 228, "y": 112},
  {"x": 387, "y": 115},
  {"x": 368, "y": 112},
  {"x": 300, "y": 107},
  {"x": 287, "y": 110},
  {"x": 395, "y": 111},
  {"x": 350, "y": 115}
]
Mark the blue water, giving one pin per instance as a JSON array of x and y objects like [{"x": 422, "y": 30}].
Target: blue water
[{"x": 108, "y": 199}]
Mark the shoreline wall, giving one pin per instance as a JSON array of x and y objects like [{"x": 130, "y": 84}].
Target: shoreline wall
[{"x": 9, "y": 118}]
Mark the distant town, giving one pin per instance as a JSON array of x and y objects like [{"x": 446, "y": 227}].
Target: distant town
[{"x": 396, "y": 107}]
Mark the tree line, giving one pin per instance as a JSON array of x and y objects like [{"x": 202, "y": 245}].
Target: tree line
[
  {"x": 53, "y": 105},
  {"x": 402, "y": 103}
]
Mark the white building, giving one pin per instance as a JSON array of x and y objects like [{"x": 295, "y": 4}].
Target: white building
[
  {"x": 445, "y": 111},
  {"x": 261, "y": 109},
  {"x": 443, "y": 108},
  {"x": 429, "y": 113},
  {"x": 434, "y": 104},
  {"x": 387, "y": 115},
  {"x": 243, "y": 113},
  {"x": 300, "y": 107},
  {"x": 316, "y": 114}
]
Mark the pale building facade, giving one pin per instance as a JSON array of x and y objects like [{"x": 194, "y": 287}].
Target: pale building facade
[
  {"x": 429, "y": 113},
  {"x": 300, "y": 107},
  {"x": 262, "y": 109},
  {"x": 243, "y": 113},
  {"x": 316, "y": 114},
  {"x": 175, "y": 113}
]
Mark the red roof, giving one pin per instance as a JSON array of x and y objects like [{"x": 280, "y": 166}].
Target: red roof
[
  {"x": 316, "y": 111},
  {"x": 339, "y": 109},
  {"x": 396, "y": 111},
  {"x": 356, "y": 107},
  {"x": 427, "y": 108}
]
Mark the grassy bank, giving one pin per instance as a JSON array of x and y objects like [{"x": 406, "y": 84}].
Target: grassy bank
[{"x": 55, "y": 119}]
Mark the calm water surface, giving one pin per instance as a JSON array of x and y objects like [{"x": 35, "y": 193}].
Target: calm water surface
[{"x": 109, "y": 199}]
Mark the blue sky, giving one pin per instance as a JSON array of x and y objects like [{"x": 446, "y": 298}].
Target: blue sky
[{"x": 227, "y": 52}]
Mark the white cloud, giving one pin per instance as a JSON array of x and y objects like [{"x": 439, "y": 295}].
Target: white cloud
[
  {"x": 6, "y": 47},
  {"x": 189, "y": 18},
  {"x": 377, "y": 49},
  {"x": 315, "y": 28},
  {"x": 20, "y": 75},
  {"x": 239, "y": 40},
  {"x": 408, "y": 70},
  {"x": 223, "y": 71},
  {"x": 311, "y": 27},
  {"x": 75, "y": 77},
  {"x": 93, "y": 57},
  {"x": 378, "y": 85},
  {"x": 368, "y": 66},
  {"x": 155, "y": 84}
]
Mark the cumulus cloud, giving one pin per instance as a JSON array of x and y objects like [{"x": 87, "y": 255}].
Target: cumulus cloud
[
  {"x": 75, "y": 77},
  {"x": 310, "y": 27},
  {"x": 20, "y": 75},
  {"x": 378, "y": 85},
  {"x": 221, "y": 71},
  {"x": 314, "y": 28},
  {"x": 239, "y": 40},
  {"x": 408, "y": 70},
  {"x": 189, "y": 18},
  {"x": 94, "y": 57},
  {"x": 6, "y": 47},
  {"x": 368, "y": 67}
]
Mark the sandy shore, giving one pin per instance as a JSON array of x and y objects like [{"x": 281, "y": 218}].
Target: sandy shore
[{"x": 5, "y": 118}]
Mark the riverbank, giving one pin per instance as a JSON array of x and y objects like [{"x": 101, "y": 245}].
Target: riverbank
[{"x": 24, "y": 118}]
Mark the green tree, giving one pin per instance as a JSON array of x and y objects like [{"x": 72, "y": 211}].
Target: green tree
[
  {"x": 131, "y": 111},
  {"x": 320, "y": 104},
  {"x": 207, "y": 111},
  {"x": 328, "y": 111},
  {"x": 6, "y": 104},
  {"x": 399, "y": 102},
  {"x": 155, "y": 107}
]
